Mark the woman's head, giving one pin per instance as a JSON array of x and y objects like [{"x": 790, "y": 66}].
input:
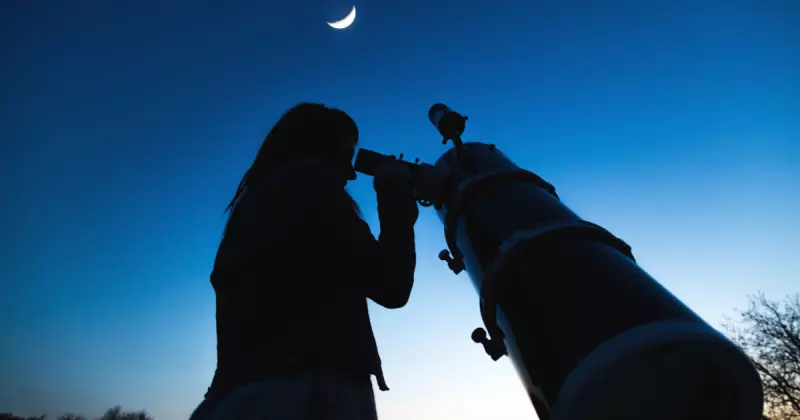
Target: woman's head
[{"x": 307, "y": 130}]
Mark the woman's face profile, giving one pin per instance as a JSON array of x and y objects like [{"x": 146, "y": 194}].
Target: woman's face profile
[{"x": 349, "y": 153}]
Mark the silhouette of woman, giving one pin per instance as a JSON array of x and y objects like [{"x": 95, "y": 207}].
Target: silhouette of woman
[{"x": 293, "y": 273}]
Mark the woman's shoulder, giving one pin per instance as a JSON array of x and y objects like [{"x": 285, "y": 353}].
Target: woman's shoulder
[
  {"x": 271, "y": 211},
  {"x": 301, "y": 184}
]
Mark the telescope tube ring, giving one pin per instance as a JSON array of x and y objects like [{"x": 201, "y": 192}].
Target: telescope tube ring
[
  {"x": 524, "y": 240},
  {"x": 467, "y": 188}
]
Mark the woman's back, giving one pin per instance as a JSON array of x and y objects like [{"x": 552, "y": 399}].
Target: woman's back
[{"x": 287, "y": 297}]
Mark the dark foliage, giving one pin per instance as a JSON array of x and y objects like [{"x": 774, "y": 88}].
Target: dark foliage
[{"x": 114, "y": 413}]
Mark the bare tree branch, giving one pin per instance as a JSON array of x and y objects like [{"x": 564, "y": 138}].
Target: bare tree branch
[{"x": 769, "y": 332}]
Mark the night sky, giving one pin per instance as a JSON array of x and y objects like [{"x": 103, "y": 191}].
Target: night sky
[{"x": 126, "y": 126}]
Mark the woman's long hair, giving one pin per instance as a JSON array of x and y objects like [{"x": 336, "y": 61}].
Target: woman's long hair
[{"x": 305, "y": 130}]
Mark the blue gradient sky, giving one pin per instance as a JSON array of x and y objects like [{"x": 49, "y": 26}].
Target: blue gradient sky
[{"x": 126, "y": 126}]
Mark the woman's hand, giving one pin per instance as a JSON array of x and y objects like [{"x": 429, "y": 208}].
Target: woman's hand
[
  {"x": 394, "y": 185},
  {"x": 393, "y": 174}
]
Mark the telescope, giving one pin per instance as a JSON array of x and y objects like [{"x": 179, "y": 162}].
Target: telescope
[{"x": 590, "y": 334}]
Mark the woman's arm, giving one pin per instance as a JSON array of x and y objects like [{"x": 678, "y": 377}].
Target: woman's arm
[
  {"x": 383, "y": 269},
  {"x": 397, "y": 212}
]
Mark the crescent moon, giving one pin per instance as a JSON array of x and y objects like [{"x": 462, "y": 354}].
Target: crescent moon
[{"x": 344, "y": 23}]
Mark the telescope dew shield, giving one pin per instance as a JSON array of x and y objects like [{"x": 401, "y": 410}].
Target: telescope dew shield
[
  {"x": 450, "y": 124},
  {"x": 590, "y": 333}
]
